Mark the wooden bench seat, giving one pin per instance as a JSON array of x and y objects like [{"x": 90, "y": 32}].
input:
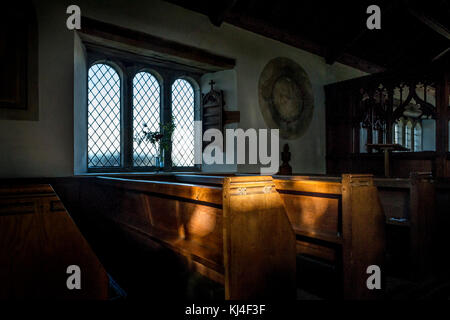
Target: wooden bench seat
[
  {"x": 234, "y": 231},
  {"x": 38, "y": 242},
  {"x": 333, "y": 219}
]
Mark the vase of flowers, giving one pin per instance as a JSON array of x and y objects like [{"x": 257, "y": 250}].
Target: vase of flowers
[{"x": 161, "y": 140}]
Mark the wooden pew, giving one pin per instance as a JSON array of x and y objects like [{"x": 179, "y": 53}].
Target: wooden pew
[
  {"x": 409, "y": 205},
  {"x": 340, "y": 222},
  {"x": 232, "y": 230},
  {"x": 38, "y": 242},
  {"x": 334, "y": 219}
]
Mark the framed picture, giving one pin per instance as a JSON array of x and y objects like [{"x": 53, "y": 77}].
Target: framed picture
[{"x": 19, "y": 64}]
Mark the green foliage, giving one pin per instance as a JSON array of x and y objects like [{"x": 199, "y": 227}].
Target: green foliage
[{"x": 164, "y": 137}]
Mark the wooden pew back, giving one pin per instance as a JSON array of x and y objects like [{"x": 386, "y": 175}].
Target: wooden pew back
[
  {"x": 335, "y": 219},
  {"x": 234, "y": 231}
]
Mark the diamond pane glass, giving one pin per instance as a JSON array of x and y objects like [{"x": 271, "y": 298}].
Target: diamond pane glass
[
  {"x": 103, "y": 116},
  {"x": 398, "y": 133},
  {"x": 146, "y": 118},
  {"x": 183, "y": 116},
  {"x": 417, "y": 138},
  {"x": 408, "y": 130}
]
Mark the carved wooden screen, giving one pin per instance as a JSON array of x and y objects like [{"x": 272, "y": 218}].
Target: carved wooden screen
[
  {"x": 386, "y": 106},
  {"x": 408, "y": 108}
]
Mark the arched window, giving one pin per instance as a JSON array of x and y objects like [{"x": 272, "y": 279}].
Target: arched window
[
  {"x": 103, "y": 116},
  {"x": 146, "y": 118},
  {"x": 129, "y": 114},
  {"x": 183, "y": 106},
  {"x": 362, "y": 139},
  {"x": 417, "y": 137},
  {"x": 398, "y": 132},
  {"x": 374, "y": 136},
  {"x": 408, "y": 134}
]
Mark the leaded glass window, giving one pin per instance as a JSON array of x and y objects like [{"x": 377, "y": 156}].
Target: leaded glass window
[
  {"x": 362, "y": 140},
  {"x": 398, "y": 133},
  {"x": 183, "y": 116},
  {"x": 129, "y": 113},
  {"x": 374, "y": 136},
  {"x": 408, "y": 134},
  {"x": 146, "y": 118},
  {"x": 103, "y": 116},
  {"x": 417, "y": 137}
]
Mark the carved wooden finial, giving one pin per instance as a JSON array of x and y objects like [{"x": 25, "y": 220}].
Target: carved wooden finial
[
  {"x": 212, "y": 83},
  {"x": 285, "y": 168}
]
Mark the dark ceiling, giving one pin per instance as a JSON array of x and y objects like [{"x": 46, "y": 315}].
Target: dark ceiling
[{"x": 412, "y": 32}]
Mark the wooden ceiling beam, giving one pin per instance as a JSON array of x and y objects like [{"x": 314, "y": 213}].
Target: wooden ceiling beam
[
  {"x": 219, "y": 15},
  {"x": 295, "y": 40},
  {"x": 402, "y": 50},
  {"x": 441, "y": 54},
  {"x": 155, "y": 45},
  {"x": 431, "y": 23},
  {"x": 334, "y": 54}
]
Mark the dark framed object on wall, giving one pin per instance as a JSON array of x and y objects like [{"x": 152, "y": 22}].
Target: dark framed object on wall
[
  {"x": 214, "y": 115},
  {"x": 213, "y": 110},
  {"x": 19, "y": 63}
]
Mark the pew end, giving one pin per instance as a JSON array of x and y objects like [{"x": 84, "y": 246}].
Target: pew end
[
  {"x": 259, "y": 241},
  {"x": 340, "y": 221},
  {"x": 410, "y": 206},
  {"x": 364, "y": 235}
]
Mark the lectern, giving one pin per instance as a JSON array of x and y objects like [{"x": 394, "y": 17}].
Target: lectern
[{"x": 387, "y": 148}]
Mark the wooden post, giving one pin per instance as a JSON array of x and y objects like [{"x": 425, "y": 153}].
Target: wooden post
[
  {"x": 442, "y": 145},
  {"x": 387, "y": 170},
  {"x": 363, "y": 233},
  {"x": 389, "y": 120},
  {"x": 422, "y": 221}
]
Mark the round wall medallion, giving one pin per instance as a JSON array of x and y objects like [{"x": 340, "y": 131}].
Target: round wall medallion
[{"x": 286, "y": 98}]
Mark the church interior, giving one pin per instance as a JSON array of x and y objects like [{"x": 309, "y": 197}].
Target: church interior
[{"x": 225, "y": 150}]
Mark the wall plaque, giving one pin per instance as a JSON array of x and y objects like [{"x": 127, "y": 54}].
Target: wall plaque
[{"x": 286, "y": 98}]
